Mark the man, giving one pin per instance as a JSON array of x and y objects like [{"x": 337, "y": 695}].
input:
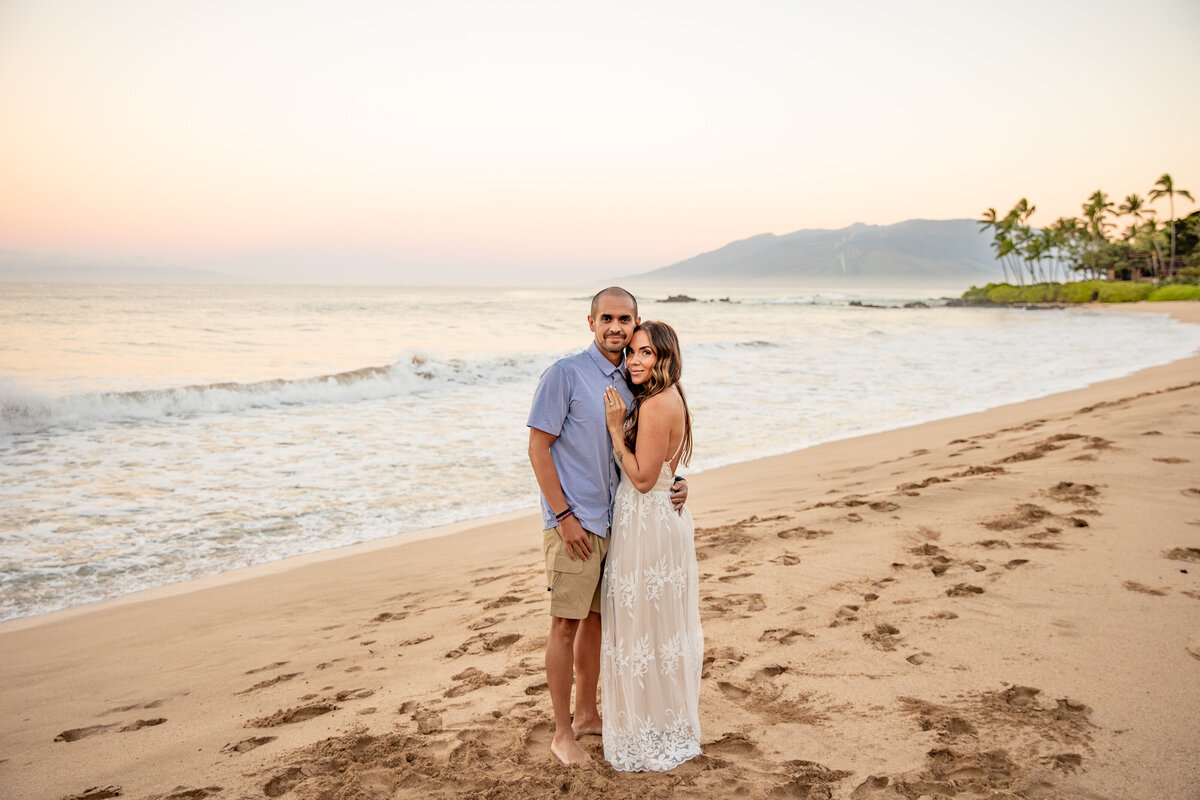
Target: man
[{"x": 571, "y": 455}]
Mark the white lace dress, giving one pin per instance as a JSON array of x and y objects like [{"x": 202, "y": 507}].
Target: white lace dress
[{"x": 652, "y": 642}]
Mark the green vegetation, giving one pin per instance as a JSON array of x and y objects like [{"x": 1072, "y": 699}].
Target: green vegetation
[
  {"x": 1175, "y": 292},
  {"x": 1078, "y": 260},
  {"x": 1080, "y": 292},
  {"x": 1085, "y": 247}
]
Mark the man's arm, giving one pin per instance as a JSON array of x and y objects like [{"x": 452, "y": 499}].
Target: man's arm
[{"x": 569, "y": 529}]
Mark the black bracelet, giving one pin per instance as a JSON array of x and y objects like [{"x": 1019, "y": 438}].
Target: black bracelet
[
  {"x": 678, "y": 478},
  {"x": 563, "y": 515}
]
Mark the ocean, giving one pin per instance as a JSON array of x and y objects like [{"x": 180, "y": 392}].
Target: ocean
[{"x": 153, "y": 434}]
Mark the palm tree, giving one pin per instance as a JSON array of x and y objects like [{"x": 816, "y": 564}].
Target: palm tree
[
  {"x": 1147, "y": 235},
  {"x": 1047, "y": 242},
  {"x": 989, "y": 221},
  {"x": 1097, "y": 228},
  {"x": 1134, "y": 206},
  {"x": 1067, "y": 236},
  {"x": 1165, "y": 186}
]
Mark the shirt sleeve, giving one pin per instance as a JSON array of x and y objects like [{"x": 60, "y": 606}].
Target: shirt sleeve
[{"x": 551, "y": 401}]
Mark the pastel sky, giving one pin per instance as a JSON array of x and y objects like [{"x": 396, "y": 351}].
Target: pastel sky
[{"x": 455, "y": 141}]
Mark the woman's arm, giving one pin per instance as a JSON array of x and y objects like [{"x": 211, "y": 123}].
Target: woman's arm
[{"x": 654, "y": 431}]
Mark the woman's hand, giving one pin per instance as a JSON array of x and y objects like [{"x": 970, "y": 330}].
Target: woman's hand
[{"x": 614, "y": 412}]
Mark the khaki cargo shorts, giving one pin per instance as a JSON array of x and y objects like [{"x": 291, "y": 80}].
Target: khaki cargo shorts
[{"x": 574, "y": 584}]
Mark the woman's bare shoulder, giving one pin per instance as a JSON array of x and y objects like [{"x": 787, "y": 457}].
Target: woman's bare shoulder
[{"x": 666, "y": 402}]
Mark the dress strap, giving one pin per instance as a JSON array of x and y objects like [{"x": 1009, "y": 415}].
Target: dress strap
[{"x": 679, "y": 449}]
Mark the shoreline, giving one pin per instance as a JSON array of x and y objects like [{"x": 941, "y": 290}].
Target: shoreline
[
  {"x": 453, "y": 623},
  {"x": 254, "y": 571}
]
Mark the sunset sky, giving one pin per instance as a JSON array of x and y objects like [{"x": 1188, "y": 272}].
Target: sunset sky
[{"x": 457, "y": 141}]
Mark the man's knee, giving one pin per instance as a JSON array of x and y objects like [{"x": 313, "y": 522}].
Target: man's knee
[{"x": 563, "y": 629}]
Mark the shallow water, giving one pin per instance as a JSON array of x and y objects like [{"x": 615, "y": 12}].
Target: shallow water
[{"x": 154, "y": 434}]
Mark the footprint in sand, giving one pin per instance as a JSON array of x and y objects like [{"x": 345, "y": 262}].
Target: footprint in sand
[
  {"x": 847, "y": 613},
  {"x": 142, "y": 723},
  {"x": 1020, "y": 696},
  {"x": 994, "y": 543},
  {"x": 1069, "y": 492},
  {"x": 428, "y": 721},
  {"x": 733, "y": 692},
  {"x": 731, "y": 745},
  {"x": 884, "y": 637},
  {"x": 786, "y": 560},
  {"x": 537, "y": 741},
  {"x": 75, "y": 734},
  {"x": 292, "y": 716},
  {"x": 96, "y": 793},
  {"x": 271, "y": 682},
  {"x": 500, "y": 602},
  {"x": 801, "y": 532},
  {"x": 486, "y": 622},
  {"x": 123, "y": 709},
  {"x": 884, "y": 506},
  {"x": 284, "y": 782},
  {"x": 783, "y": 635},
  {"x": 1025, "y": 515},
  {"x": 734, "y": 577},
  {"x": 1190, "y": 492},
  {"x": 246, "y": 745},
  {"x": 276, "y": 665},
  {"x": 1183, "y": 554},
  {"x": 1066, "y": 763},
  {"x": 411, "y": 642},
  {"x": 192, "y": 794},
  {"x": 390, "y": 616},
  {"x": 484, "y": 642},
  {"x": 471, "y": 679},
  {"x": 722, "y": 604},
  {"x": 963, "y": 590},
  {"x": 1173, "y": 460},
  {"x": 768, "y": 672},
  {"x": 908, "y": 487},
  {"x": 978, "y": 470},
  {"x": 1134, "y": 586}
]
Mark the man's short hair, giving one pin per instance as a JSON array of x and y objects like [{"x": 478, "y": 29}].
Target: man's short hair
[{"x": 616, "y": 291}]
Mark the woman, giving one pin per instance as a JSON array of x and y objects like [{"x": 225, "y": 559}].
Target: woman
[{"x": 650, "y": 610}]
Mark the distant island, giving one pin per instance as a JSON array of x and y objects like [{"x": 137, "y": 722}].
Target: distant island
[{"x": 915, "y": 251}]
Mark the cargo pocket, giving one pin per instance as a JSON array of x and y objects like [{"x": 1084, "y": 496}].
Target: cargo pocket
[{"x": 564, "y": 563}]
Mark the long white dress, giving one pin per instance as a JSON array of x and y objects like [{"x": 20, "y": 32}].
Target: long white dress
[{"x": 653, "y": 645}]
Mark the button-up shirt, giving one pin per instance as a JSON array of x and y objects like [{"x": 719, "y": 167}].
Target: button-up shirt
[{"x": 569, "y": 404}]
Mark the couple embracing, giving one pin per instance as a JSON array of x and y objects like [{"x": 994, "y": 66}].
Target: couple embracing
[{"x": 620, "y": 558}]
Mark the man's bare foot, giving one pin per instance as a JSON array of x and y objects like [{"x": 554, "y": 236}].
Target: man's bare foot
[
  {"x": 586, "y": 726},
  {"x": 568, "y": 751}
]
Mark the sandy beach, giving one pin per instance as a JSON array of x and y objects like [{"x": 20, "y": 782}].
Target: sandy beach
[{"x": 1003, "y": 604}]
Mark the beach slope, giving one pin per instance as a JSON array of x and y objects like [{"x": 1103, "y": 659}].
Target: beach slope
[{"x": 1004, "y": 604}]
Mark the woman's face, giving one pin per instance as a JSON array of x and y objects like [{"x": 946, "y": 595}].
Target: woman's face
[{"x": 640, "y": 358}]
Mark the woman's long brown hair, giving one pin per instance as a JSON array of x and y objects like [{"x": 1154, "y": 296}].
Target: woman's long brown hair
[{"x": 668, "y": 367}]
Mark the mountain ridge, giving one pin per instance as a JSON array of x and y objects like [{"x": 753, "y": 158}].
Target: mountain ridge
[{"x": 915, "y": 249}]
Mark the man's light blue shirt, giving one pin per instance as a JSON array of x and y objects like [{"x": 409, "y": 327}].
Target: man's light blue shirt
[{"x": 569, "y": 404}]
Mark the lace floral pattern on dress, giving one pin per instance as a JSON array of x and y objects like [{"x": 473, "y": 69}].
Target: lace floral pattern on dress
[
  {"x": 652, "y": 645},
  {"x": 637, "y": 744}
]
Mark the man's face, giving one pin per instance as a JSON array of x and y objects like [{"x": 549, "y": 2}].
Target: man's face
[{"x": 614, "y": 323}]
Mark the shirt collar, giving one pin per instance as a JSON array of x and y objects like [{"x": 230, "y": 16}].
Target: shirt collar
[{"x": 602, "y": 363}]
